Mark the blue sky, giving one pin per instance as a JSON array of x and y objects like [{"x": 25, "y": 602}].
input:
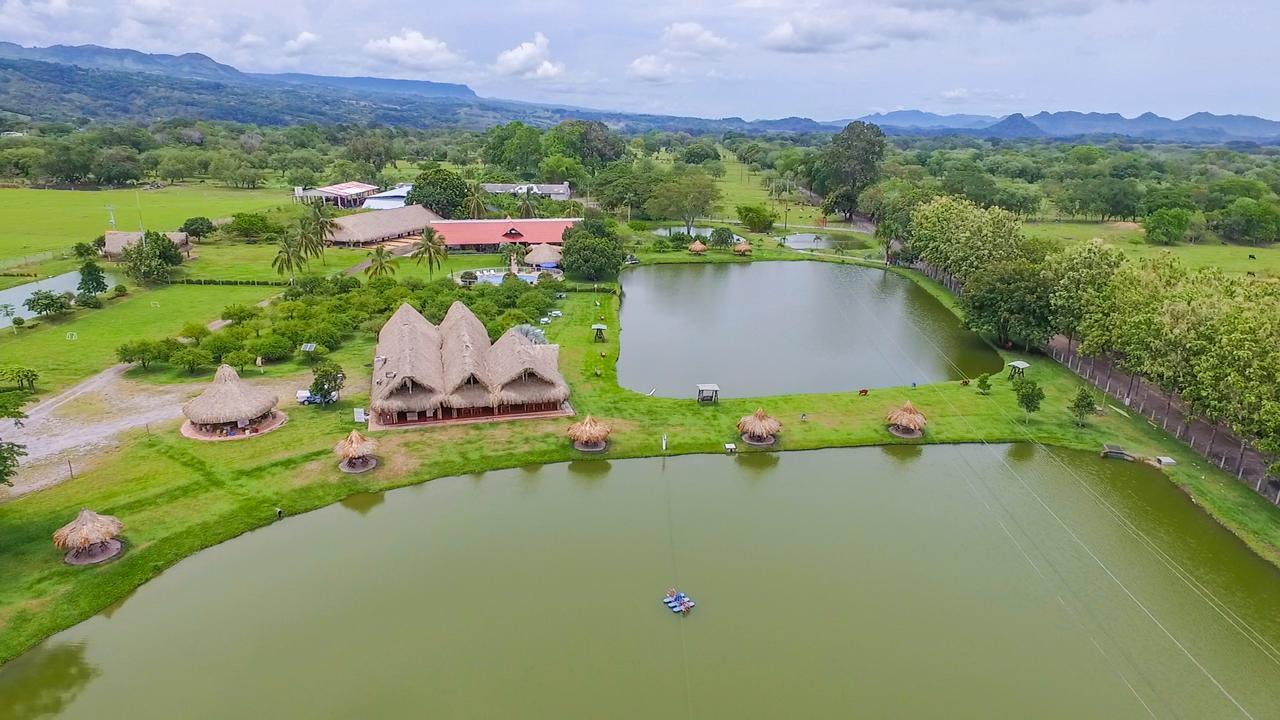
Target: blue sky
[{"x": 750, "y": 58}]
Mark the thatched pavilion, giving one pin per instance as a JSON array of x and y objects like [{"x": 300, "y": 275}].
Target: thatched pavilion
[
  {"x": 697, "y": 247},
  {"x": 544, "y": 255},
  {"x": 742, "y": 248},
  {"x": 231, "y": 408},
  {"x": 906, "y": 421},
  {"x": 90, "y": 538},
  {"x": 589, "y": 435},
  {"x": 356, "y": 452},
  {"x": 759, "y": 428}
]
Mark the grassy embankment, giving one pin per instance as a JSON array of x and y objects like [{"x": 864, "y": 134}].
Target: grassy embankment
[{"x": 177, "y": 496}]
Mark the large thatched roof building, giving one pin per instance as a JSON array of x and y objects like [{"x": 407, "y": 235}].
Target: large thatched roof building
[
  {"x": 424, "y": 373},
  {"x": 371, "y": 227},
  {"x": 229, "y": 402}
]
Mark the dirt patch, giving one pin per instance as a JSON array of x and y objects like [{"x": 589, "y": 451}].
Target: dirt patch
[{"x": 1121, "y": 225}]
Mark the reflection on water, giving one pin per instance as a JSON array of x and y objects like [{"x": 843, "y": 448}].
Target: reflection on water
[
  {"x": 697, "y": 232},
  {"x": 45, "y": 682},
  {"x": 362, "y": 503},
  {"x": 822, "y": 241},
  {"x": 589, "y": 469},
  {"x": 902, "y": 454},
  {"x": 757, "y": 463}
]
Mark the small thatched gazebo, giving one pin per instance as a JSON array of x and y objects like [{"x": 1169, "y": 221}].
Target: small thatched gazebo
[
  {"x": 231, "y": 407},
  {"x": 906, "y": 421},
  {"x": 697, "y": 248},
  {"x": 543, "y": 255},
  {"x": 742, "y": 248},
  {"x": 356, "y": 452},
  {"x": 759, "y": 428},
  {"x": 89, "y": 539},
  {"x": 589, "y": 435}
]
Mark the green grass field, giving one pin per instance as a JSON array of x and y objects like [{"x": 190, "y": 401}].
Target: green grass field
[
  {"x": 34, "y": 221},
  {"x": 141, "y": 314},
  {"x": 232, "y": 260},
  {"x": 740, "y": 186},
  {"x": 1129, "y": 238}
]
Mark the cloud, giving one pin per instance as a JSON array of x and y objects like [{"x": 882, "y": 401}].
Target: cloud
[
  {"x": 251, "y": 40},
  {"x": 651, "y": 69},
  {"x": 692, "y": 39},
  {"x": 529, "y": 60},
  {"x": 1009, "y": 10},
  {"x": 868, "y": 28},
  {"x": 965, "y": 96},
  {"x": 414, "y": 50},
  {"x": 303, "y": 42},
  {"x": 804, "y": 36}
]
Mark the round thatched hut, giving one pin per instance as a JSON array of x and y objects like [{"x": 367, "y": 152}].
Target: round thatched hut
[
  {"x": 231, "y": 408},
  {"x": 544, "y": 255},
  {"x": 697, "y": 247},
  {"x": 90, "y": 538},
  {"x": 906, "y": 421},
  {"x": 759, "y": 428},
  {"x": 742, "y": 248},
  {"x": 589, "y": 435},
  {"x": 356, "y": 452}
]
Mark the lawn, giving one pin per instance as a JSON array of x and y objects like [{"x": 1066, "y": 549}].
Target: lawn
[
  {"x": 141, "y": 314},
  {"x": 233, "y": 260},
  {"x": 35, "y": 221},
  {"x": 1129, "y": 238},
  {"x": 177, "y": 496},
  {"x": 740, "y": 186}
]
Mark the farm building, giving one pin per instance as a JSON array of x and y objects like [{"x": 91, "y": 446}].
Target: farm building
[
  {"x": 347, "y": 194},
  {"x": 487, "y": 235},
  {"x": 423, "y": 373},
  {"x": 388, "y": 199},
  {"x": 115, "y": 241},
  {"x": 371, "y": 227},
  {"x": 555, "y": 191}
]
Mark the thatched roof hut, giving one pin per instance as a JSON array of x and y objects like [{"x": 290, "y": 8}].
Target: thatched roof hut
[
  {"x": 90, "y": 538},
  {"x": 589, "y": 434},
  {"x": 906, "y": 421},
  {"x": 228, "y": 399},
  {"x": 742, "y": 248},
  {"x": 543, "y": 254},
  {"x": 697, "y": 248},
  {"x": 759, "y": 428},
  {"x": 355, "y": 445}
]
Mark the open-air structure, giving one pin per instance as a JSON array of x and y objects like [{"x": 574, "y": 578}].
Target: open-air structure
[
  {"x": 906, "y": 421},
  {"x": 544, "y": 255},
  {"x": 231, "y": 408},
  {"x": 589, "y": 435},
  {"x": 758, "y": 428},
  {"x": 697, "y": 247},
  {"x": 89, "y": 539},
  {"x": 356, "y": 452},
  {"x": 742, "y": 248},
  {"x": 423, "y": 373}
]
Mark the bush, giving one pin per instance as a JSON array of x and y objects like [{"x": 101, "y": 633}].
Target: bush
[
  {"x": 240, "y": 359},
  {"x": 119, "y": 291},
  {"x": 271, "y": 348},
  {"x": 984, "y": 384},
  {"x": 19, "y": 321},
  {"x": 468, "y": 276},
  {"x": 88, "y": 300},
  {"x": 721, "y": 237},
  {"x": 757, "y": 218},
  {"x": 637, "y": 225},
  {"x": 191, "y": 358}
]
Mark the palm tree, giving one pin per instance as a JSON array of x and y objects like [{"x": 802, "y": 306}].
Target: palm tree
[
  {"x": 324, "y": 225},
  {"x": 513, "y": 249},
  {"x": 289, "y": 259},
  {"x": 475, "y": 204},
  {"x": 431, "y": 250},
  {"x": 527, "y": 209},
  {"x": 309, "y": 243},
  {"x": 380, "y": 263}
]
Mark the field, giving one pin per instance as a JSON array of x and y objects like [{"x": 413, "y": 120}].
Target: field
[
  {"x": 148, "y": 314},
  {"x": 1129, "y": 238},
  {"x": 740, "y": 186},
  {"x": 177, "y": 496},
  {"x": 230, "y": 260},
  {"x": 35, "y": 221}
]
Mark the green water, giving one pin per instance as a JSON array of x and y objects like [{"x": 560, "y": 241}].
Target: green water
[
  {"x": 897, "y": 582},
  {"x": 778, "y": 328}
]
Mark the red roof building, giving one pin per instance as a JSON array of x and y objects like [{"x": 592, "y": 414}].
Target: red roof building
[{"x": 482, "y": 234}]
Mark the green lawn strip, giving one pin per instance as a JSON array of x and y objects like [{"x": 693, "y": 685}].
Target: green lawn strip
[
  {"x": 177, "y": 496},
  {"x": 141, "y": 314},
  {"x": 233, "y": 260},
  {"x": 1212, "y": 253},
  {"x": 33, "y": 221}
]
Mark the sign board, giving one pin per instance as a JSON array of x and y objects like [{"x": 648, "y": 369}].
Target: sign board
[{"x": 360, "y": 416}]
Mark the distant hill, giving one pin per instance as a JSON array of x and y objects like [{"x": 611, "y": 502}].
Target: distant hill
[
  {"x": 424, "y": 88},
  {"x": 1201, "y": 127},
  {"x": 921, "y": 119},
  {"x": 1014, "y": 127}
]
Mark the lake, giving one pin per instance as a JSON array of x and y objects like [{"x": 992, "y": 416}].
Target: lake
[
  {"x": 920, "y": 582},
  {"x": 823, "y": 241},
  {"x": 778, "y": 328},
  {"x": 698, "y": 232},
  {"x": 66, "y": 282}
]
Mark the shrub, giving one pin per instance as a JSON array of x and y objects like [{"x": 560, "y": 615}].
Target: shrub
[
  {"x": 240, "y": 359},
  {"x": 19, "y": 321},
  {"x": 191, "y": 358},
  {"x": 271, "y": 348},
  {"x": 120, "y": 291},
  {"x": 88, "y": 300},
  {"x": 637, "y": 225},
  {"x": 757, "y": 218},
  {"x": 984, "y": 384},
  {"x": 721, "y": 237}
]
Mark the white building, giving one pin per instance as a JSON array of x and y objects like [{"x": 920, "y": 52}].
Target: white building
[{"x": 388, "y": 199}]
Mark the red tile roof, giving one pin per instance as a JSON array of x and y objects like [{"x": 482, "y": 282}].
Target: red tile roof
[{"x": 496, "y": 232}]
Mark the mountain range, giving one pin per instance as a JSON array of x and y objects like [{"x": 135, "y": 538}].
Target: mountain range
[{"x": 62, "y": 82}]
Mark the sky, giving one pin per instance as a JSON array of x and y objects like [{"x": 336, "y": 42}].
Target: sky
[{"x": 823, "y": 59}]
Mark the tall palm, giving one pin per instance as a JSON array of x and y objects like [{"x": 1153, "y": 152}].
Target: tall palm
[
  {"x": 309, "y": 242},
  {"x": 527, "y": 209},
  {"x": 515, "y": 250},
  {"x": 289, "y": 258},
  {"x": 431, "y": 250},
  {"x": 380, "y": 263},
  {"x": 324, "y": 225},
  {"x": 475, "y": 204}
]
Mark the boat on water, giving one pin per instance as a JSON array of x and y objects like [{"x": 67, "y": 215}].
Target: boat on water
[{"x": 678, "y": 602}]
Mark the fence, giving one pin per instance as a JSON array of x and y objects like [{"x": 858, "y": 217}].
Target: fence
[
  {"x": 214, "y": 281},
  {"x": 1215, "y": 443},
  {"x": 27, "y": 259}
]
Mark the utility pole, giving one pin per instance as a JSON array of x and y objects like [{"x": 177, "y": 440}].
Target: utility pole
[{"x": 111, "y": 210}]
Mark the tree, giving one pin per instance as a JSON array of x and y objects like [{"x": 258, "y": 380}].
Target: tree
[
  {"x": 327, "y": 380},
  {"x": 7, "y": 311},
  {"x": 191, "y": 358},
  {"x": 92, "y": 279},
  {"x": 1008, "y": 301},
  {"x": 527, "y": 208},
  {"x": 85, "y": 251},
  {"x": 851, "y": 160},
  {"x": 1167, "y": 225},
  {"x": 380, "y": 264},
  {"x": 240, "y": 359},
  {"x": 1078, "y": 278},
  {"x": 686, "y": 195},
  {"x": 559, "y": 168},
  {"x": 24, "y": 378},
  {"x": 984, "y": 384},
  {"x": 592, "y": 257},
  {"x": 1247, "y": 220},
  {"x": 149, "y": 259},
  {"x": 440, "y": 191},
  {"x": 721, "y": 237},
  {"x": 1030, "y": 395},
  {"x": 315, "y": 229},
  {"x": 194, "y": 331},
  {"x": 1082, "y": 405},
  {"x": 144, "y": 352},
  {"x": 197, "y": 227},
  {"x": 430, "y": 249},
  {"x": 289, "y": 258},
  {"x": 476, "y": 204},
  {"x": 757, "y": 218},
  {"x": 47, "y": 303},
  {"x": 10, "y": 453},
  {"x": 240, "y": 314},
  {"x": 842, "y": 200}
]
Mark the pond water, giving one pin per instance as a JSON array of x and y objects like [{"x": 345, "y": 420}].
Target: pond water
[
  {"x": 777, "y": 328},
  {"x": 822, "y": 241},
  {"x": 921, "y": 582},
  {"x": 66, "y": 282},
  {"x": 703, "y": 232}
]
